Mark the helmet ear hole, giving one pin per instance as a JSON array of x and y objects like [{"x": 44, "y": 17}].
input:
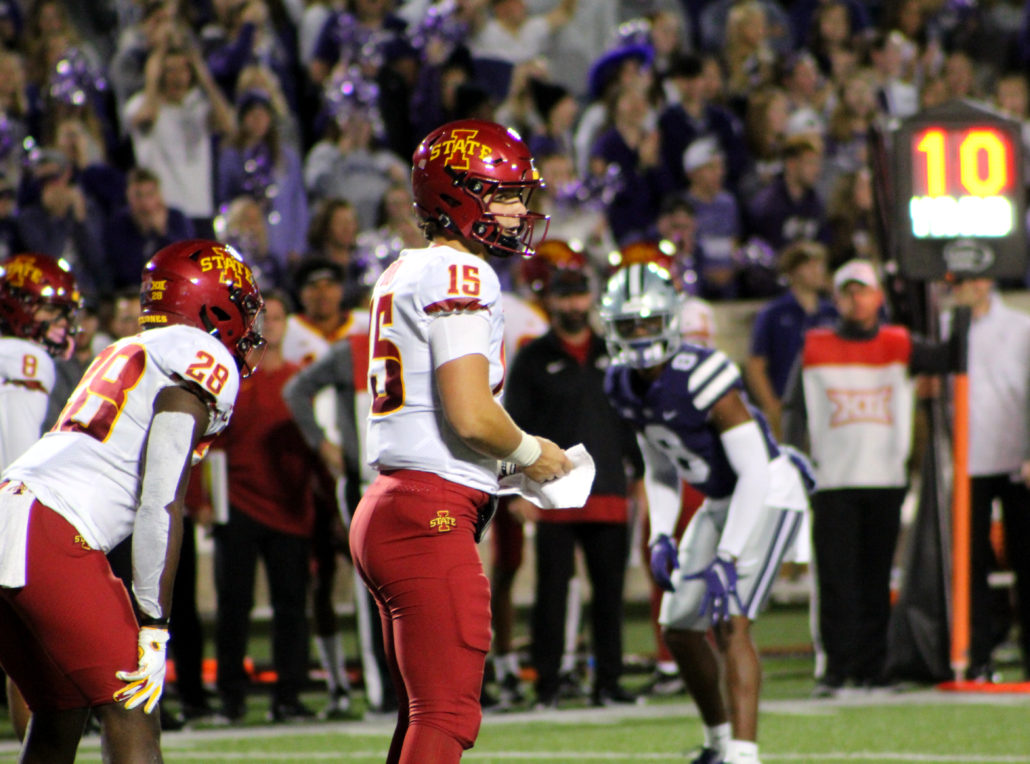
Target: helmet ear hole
[{"x": 220, "y": 314}]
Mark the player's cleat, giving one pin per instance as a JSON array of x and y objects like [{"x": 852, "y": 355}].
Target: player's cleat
[
  {"x": 338, "y": 707},
  {"x": 614, "y": 696},
  {"x": 290, "y": 711},
  {"x": 708, "y": 756},
  {"x": 663, "y": 685}
]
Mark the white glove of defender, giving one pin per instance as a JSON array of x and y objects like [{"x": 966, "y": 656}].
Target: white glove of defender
[{"x": 147, "y": 682}]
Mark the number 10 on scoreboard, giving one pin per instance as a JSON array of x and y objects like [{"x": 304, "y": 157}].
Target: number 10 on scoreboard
[{"x": 963, "y": 181}]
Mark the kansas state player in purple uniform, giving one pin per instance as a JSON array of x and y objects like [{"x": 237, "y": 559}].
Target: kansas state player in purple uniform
[{"x": 695, "y": 423}]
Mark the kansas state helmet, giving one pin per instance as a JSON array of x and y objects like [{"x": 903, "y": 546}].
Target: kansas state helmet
[
  {"x": 208, "y": 286},
  {"x": 459, "y": 166},
  {"x": 29, "y": 282},
  {"x": 640, "y": 311}
]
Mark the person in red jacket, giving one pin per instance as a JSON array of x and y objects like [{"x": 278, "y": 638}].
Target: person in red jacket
[{"x": 271, "y": 516}]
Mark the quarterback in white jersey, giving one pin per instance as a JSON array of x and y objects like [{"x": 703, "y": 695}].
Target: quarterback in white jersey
[
  {"x": 436, "y": 431},
  {"x": 405, "y": 430},
  {"x": 116, "y": 463}
]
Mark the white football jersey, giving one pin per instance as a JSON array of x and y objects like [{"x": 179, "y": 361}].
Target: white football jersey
[
  {"x": 87, "y": 468},
  {"x": 406, "y": 427},
  {"x": 26, "y": 379},
  {"x": 303, "y": 344},
  {"x": 523, "y": 321}
]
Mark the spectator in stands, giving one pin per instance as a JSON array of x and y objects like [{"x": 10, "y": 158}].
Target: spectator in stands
[
  {"x": 142, "y": 227},
  {"x": 64, "y": 222},
  {"x": 577, "y": 208},
  {"x": 897, "y": 96},
  {"x": 511, "y": 34},
  {"x": 693, "y": 116},
  {"x": 556, "y": 383},
  {"x": 558, "y": 111},
  {"x": 852, "y": 399},
  {"x": 765, "y": 131},
  {"x": 779, "y": 328},
  {"x": 633, "y": 146},
  {"x": 999, "y": 460},
  {"x": 82, "y": 143},
  {"x": 172, "y": 122},
  {"x": 243, "y": 32},
  {"x": 623, "y": 67},
  {"x": 806, "y": 89},
  {"x": 789, "y": 209},
  {"x": 246, "y": 229},
  {"x": 256, "y": 163},
  {"x": 750, "y": 60},
  {"x": 269, "y": 468},
  {"x": 348, "y": 33},
  {"x": 829, "y": 33},
  {"x": 156, "y": 28},
  {"x": 852, "y": 220},
  {"x": 348, "y": 163},
  {"x": 847, "y": 147},
  {"x": 719, "y": 228},
  {"x": 333, "y": 235},
  {"x": 396, "y": 230}
]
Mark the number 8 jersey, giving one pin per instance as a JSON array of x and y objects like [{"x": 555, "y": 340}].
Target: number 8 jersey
[
  {"x": 87, "y": 468},
  {"x": 406, "y": 425}
]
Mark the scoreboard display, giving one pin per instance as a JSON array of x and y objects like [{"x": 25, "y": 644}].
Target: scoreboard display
[{"x": 958, "y": 188}]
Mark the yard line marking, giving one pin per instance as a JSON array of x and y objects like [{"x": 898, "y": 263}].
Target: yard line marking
[{"x": 878, "y": 757}]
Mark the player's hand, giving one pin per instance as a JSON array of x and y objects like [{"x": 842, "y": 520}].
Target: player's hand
[
  {"x": 147, "y": 682},
  {"x": 664, "y": 560},
  {"x": 553, "y": 463},
  {"x": 720, "y": 579}
]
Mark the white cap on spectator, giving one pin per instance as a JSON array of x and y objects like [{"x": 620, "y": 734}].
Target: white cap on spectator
[
  {"x": 700, "y": 152},
  {"x": 860, "y": 271},
  {"x": 803, "y": 121}
]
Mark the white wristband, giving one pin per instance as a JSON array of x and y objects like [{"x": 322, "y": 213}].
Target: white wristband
[{"x": 527, "y": 452}]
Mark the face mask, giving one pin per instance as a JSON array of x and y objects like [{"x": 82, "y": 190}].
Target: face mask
[{"x": 571, "y": 322}]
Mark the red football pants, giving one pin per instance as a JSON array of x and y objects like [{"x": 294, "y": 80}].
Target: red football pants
[
  {"x": 65, "y": 634},
  {"x": 412, "y": 541}
]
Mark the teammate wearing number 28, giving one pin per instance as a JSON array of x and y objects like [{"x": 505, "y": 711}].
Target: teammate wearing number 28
[
  {"x": 695, "y": 424},
  {"x": 116, "y": 464},
  {"x": 437, "y": 430}
]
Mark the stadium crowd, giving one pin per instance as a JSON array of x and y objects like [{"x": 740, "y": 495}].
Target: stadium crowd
[{"x": 728, "y": 140}]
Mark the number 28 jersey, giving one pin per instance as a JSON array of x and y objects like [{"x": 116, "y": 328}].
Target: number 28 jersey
[
  {"x": 406, "y": 425},
  {"x": 87, "y": 468}
]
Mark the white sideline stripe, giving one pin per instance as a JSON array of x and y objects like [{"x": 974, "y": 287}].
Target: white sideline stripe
[{"x": 881, "y": 757}]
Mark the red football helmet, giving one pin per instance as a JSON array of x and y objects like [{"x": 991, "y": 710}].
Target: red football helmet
[
  {"x": 208, "y": 286},
  {"x": 29, "y": 282},
  {"x": 459, "y": 166},
  {"x": 552, "y": 257}
]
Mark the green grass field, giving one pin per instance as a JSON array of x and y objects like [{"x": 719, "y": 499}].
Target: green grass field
[{"x": 916, "y": 725}]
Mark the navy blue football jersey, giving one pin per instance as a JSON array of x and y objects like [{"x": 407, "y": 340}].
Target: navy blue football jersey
[{"x": 672, "y": 414}]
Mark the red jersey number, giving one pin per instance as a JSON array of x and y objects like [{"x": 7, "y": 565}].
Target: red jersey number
[
  {"x": 385, "y": 368},
  {"x": 97, "y": 402}
]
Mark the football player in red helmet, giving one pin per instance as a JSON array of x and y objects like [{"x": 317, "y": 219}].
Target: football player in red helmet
[
  {"x": 473, "y": 180},
  {"x": 116, "y": 463},
  {"x": 436, "y": 431},
  {"x": 39, "y": 301},
  {"x": 208, "y": 286}
]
